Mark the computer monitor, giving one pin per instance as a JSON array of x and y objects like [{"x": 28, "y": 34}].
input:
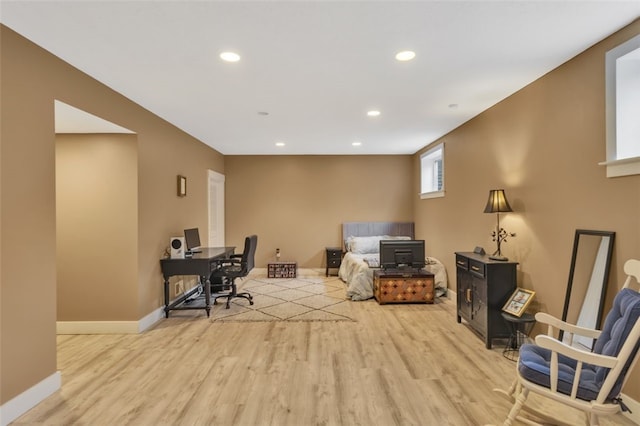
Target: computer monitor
[
  {"x": 192, "y": 240},
  {"x": 399, "y": 254}
]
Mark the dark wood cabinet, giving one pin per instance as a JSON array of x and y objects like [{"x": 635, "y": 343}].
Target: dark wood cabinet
[
  {"x": 483, "y": 287},
  {"x": 334, "y": 258}
]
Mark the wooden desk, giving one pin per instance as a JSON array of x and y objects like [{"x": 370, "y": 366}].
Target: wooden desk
[{"x": 201, "y": 264}]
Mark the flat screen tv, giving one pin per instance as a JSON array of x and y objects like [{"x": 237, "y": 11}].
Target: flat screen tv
[
  {"x": 400, "y": 254},
  {"x": 192, "y": 240}
]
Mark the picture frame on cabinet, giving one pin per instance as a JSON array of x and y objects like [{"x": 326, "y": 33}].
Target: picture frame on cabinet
[
  {"x": 479, "y": 250},
  {"x": 518, "y": 302}
]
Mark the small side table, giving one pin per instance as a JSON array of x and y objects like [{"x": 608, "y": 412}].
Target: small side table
[
  {"x": 519, "y": 328},
  {"x": 334, "y": 258}
]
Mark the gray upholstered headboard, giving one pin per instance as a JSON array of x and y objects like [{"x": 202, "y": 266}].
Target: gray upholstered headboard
[{"x": 369, "y": 229}]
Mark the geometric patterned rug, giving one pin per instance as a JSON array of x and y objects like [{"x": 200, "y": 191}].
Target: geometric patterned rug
[{"x": 313, "y": 298}]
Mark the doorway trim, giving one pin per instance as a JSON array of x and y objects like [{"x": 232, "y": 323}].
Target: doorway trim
[{"x": 215, "y": 195}]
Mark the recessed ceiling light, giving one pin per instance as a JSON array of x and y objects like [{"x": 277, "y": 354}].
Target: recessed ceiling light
[
  {"x": 263, "y": 113},
  {"x": 230, "y": 56},
  {"x": 453, "y": 106},
  {"x": 356, "y": 143},
  {"x": 405, "y": 55},
  {"x": 279, "y": 143},
  {"x": 373, "y": 113}
]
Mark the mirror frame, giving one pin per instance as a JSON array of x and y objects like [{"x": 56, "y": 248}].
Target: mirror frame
[{"x": 607, "y": 267}]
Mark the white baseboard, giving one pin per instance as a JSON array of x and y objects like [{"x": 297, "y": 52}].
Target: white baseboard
[
  {"x": 151, "y": 319},
  {"x": 97, "y": 327},
  {"x": 14, "y": 408},
  {"x": 452, "y": 295},
  {"x": 634, "y": 406},
  {"x": 110, "y": 327}
]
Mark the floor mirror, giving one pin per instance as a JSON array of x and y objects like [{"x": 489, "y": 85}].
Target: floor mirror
[{"x": 588, "y": 277}]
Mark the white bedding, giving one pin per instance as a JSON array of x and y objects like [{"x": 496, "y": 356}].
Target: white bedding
[{"x": 358, "y": 276}]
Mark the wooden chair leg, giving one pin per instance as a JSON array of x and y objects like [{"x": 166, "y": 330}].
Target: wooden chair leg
[
  {"x": 517, "y": 406},
  {"x": 509, "y": 394},
  {"x": 514, "y": 388}
]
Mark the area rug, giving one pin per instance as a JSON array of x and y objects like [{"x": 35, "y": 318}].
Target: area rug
[{"x": 288, "y": 299}]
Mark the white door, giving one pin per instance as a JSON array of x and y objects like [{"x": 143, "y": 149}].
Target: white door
[{"x": 216, "y": 209}]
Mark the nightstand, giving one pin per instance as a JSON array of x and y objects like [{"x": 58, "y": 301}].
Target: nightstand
[{"x": 334, "y": 258}]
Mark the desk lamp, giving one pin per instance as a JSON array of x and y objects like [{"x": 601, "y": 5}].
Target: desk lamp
[{"x": 497, "y": 203}]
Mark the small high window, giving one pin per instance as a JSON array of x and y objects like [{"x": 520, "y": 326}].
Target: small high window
[
  {"x": 432, "y": 172},
  {"x": 623, "y": 109}
]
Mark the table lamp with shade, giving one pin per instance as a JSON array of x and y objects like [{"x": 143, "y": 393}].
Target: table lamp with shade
[{"x": 497, "y": 203}]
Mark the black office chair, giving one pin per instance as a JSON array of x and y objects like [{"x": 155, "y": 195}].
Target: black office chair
[{"x": 237, "y": 266}]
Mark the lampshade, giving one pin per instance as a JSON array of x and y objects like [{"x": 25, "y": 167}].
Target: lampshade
[{"x": 497, "y": 202}]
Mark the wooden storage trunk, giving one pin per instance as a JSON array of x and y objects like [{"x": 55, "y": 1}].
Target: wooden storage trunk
[
  {"x": 394, "y": 286},
  {"x": 282, "y": 269}
]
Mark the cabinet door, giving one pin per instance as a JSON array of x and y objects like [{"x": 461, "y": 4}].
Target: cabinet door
[
  {"x": 479, "y": 305},
  {"x": 465, "y": 294}
]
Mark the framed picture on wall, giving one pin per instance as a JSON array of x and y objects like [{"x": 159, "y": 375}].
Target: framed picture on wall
[
  {"x": 182, "y": 186},
  {"x": 518, "y": 302}
]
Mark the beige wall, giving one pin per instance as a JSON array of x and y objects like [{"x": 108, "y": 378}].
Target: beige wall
[
  {"x": 298, "y": 203},
  {"x": 542, "y": 145},
  {"x": 31, "y": 79},
  {"x": 27, "y": 252},
  {"x": 96, "y": 227}
]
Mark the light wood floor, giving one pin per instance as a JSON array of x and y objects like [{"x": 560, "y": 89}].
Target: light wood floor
[{"x": 397, "y": 365}]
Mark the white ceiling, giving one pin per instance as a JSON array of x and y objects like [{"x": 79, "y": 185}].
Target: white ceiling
[
  {"x": 70, "y": 119},
  {"x": 316, "y": 67}
]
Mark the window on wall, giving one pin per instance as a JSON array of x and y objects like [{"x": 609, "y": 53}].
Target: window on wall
[
  {"x": 432, "y": 172},
  {"x": 623, "y": 109}
]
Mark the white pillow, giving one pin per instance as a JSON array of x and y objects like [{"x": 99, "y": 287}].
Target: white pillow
[
  {"x": 347, "y": 242},
  {"x": 396, "y": 237},
  {"x": 364, "y": 245}
]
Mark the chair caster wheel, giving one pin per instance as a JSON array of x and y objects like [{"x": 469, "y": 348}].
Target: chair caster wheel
[{"x": 251, "y": 302}]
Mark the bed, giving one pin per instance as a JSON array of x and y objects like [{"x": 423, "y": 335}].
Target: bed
[{"x": 361, "y": 244}]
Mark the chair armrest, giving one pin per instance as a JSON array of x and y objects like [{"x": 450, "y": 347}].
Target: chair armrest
[
  {"x": 558, "y": 324},
  {"x": 572, "y": 352}
]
